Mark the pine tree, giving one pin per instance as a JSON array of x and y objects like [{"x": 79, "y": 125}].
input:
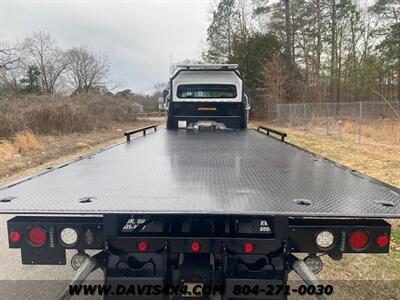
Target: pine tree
[
  {"x": 32, "y": 80},
  {"x": 220, "y": 32},
  {"x": 389, "y": 48}
]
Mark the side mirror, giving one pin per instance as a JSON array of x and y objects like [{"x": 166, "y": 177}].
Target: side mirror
[
  {"x": 247, "y": 99},
  {"x": 165, "y": 93}
]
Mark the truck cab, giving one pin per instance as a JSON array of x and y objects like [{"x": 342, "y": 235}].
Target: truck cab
[{"x": 206, "y": 95}]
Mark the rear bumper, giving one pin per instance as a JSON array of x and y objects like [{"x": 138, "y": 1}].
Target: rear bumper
[
  {"x": 232, "y": 114},
  {"x": 220, "y": 264}
]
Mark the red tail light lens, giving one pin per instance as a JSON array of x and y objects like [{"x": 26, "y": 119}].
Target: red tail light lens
[
  {"x": 248, "y": 247},
  {"x": 15, "y": 236},
  {"x": 382, "y": 240},
  {"x": 142, "y": 246},
  {"x": 195, "y": 246},
  {"x": 358, "y": 239},
  {"x": 37, "y": 236}
]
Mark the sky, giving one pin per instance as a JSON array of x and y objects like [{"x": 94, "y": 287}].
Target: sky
[{"x": 139, "y": 36}]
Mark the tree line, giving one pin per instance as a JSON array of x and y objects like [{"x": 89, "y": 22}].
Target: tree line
[
  {"x": 310, "y": 50},
  {"x": 37, "y": 65}
]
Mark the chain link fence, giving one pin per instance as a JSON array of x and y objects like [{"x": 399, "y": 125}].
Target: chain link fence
[{"x": 378, "y": 121}]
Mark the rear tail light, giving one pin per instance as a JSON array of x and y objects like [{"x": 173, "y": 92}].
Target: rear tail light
[
  {"x": 382, "y": 240},
  {"x": 142, "y": 246},
  {"x": 195, "y": 246},
  {"x": 69, "y": 236},
  {"x": 37, "y": 236},
  {"x": 325, "y": 239},
  {"x": 358, "y": 240},
  {"x": 15, "y": 236},
  {"x": 248, "y": 247}
]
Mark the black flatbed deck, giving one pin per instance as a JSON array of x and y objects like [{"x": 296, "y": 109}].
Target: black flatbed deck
[{"x": 184, "y": 172}]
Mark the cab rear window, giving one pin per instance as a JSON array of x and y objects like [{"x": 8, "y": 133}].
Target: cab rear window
[{"x": 201, "y": 91}]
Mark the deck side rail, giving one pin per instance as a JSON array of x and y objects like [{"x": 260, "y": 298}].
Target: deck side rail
[
  {"x": 136, "y": 130},
  {"x": 269, "y": 130}
]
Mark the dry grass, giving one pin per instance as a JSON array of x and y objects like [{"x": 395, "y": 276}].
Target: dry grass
[
  {"x": 25, "y": 141},
  {"x": 7, "y": 150},
  {"x": 386, "y": 131},
  {"x": 22, "y": 142},
  {"x": 62, "y": 115},
  {"x": 24, "y": 118}
]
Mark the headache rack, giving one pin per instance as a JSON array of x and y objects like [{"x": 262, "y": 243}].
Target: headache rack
[{"x": 209, "y": 67}]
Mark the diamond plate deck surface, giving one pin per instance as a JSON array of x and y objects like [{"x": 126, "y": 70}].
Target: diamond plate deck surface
[{"x": 229, "y": 172}]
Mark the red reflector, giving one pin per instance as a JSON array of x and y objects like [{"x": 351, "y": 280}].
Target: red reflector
[
  {"x": 15, "y": 236},
  {"x": 37, "y": 236},
  {"x": 382, "y": 240},
  {"x": 358, "y": 239},
  {"x": 195, "y": 246},
  {"x": 142, "y": 246},
  {"x": 248, "y": 247}
]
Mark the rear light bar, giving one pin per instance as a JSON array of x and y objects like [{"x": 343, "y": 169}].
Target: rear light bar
[
  {"x": 43, "y": 240},
  {"x": 339, "y": 236}
]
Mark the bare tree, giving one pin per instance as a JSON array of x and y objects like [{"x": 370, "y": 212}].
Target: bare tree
[
  {"x": 9, "y": 56},
  {"x": 275, "y": 75},
  {"x": 11, "y": 68},
  {"x": 86, "y": 69},
  {"x": 10, "y": 80},
  {"x": 50, "y": 60}
]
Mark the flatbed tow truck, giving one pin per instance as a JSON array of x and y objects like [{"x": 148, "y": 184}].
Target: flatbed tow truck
[{"x": 205, "y": 202}]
